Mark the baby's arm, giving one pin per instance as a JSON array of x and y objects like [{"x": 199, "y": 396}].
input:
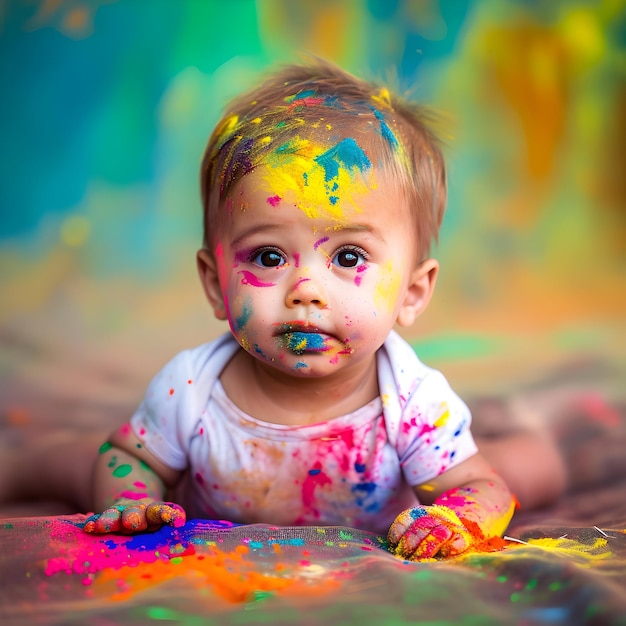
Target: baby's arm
[
  {"x": 129, "y": 486},
  {"x": 467, "y": 503}
]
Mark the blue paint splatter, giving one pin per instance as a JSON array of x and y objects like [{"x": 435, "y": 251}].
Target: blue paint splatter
[
  {"x": 347, "y": 153},
  {"x": 295, "y": 541},
  {"x": 385, "y": 131},
  {"x": 365, "y": 487},
  {"x": 417, "y": 512},
  {"x": 359, "y": 467},
  {"x": 300, "y": 342},
  {"x": 245, "y": 316}
]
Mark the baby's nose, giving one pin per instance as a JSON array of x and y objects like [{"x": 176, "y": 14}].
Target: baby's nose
[{"x": 306, "y": 292}]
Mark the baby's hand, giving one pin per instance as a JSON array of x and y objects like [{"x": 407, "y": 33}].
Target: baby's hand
[
  {"x": 128, "y": 517},
  {"x": 426, "y": 532}
]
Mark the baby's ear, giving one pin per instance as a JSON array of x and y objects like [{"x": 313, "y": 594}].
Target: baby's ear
[
  {"x": 419, "y": 291},
  {"x": 207, "y": 269}
]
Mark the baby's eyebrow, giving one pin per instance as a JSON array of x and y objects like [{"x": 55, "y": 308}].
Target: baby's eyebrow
[
  {"x": 355, "y": 228},
  {"x": 254, "y": 230}
]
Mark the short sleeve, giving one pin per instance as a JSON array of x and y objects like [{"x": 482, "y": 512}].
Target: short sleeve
[
  {"x": 177, "y": 397},
  {"x": 157, "y": 420},
  {"x": 434, "y": 433}
]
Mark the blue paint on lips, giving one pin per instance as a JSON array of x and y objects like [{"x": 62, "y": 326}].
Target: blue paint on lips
[{"x": 300, "y": 342}]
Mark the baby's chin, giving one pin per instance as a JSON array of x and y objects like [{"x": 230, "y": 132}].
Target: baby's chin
[{"x": 309, "y": 365}]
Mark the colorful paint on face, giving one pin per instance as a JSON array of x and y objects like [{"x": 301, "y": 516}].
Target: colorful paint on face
[
  {"x": 319, "y": 242},
  {"x": 332, "y": 287},
  {"x": 388, "y": 287},
  {"x": 359, "y": 274},
  {"x": 246, "y": 314},
  {"x": 320, "y": 182},
  {"x": 301, "y": 342},
  {"x": 248, "y": 278}
]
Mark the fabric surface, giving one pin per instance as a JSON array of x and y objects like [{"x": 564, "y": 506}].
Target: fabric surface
[
  {"x": 570, "y": 568},
  {"x": 212, "y": 572}
]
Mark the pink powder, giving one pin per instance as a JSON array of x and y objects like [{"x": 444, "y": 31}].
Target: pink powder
[{"x": 248, "y": 278}]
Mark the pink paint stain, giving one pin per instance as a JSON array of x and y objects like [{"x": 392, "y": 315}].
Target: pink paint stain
[
  {"x": 296, "y": 259},
  {"x": 248, "y": 278},
  {"x": 86, "y": 554},
  {"x": 319, "y": 242},
  {"x": 274, "y": 200},
  {"x": 359, "y": 274},
  {"x": 309, "y": 101},
  {"x": 334, "y": 360},
  {"x": 454, "y": 501},
  {"x": 315, "y": 478},
  {"x": 132, "y": 495}
]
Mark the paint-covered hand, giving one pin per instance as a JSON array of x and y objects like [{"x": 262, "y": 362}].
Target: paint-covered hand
[
  {"x": 128, "y": 517},
  {"x": 426, "y": 532}
]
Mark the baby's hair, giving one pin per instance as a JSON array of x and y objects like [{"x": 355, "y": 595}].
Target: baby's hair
[{"x": 321, "y": 102}]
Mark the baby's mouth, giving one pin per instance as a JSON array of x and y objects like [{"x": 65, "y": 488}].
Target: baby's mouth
[{"x": 300, "y": 338}]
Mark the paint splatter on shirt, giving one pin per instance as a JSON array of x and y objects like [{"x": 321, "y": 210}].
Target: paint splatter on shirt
[{"x": 356, "y": 470}]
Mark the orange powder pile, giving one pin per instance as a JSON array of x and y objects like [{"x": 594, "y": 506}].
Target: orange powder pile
[{"x": 228, "y": 574}]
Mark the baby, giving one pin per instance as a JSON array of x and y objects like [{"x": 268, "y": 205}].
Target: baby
[{"x": 322, "y": 194}]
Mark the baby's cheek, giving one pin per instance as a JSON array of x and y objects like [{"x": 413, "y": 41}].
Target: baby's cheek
[
  {"x": 387, "y": 288},
  {"x": 240, "y": 310}
]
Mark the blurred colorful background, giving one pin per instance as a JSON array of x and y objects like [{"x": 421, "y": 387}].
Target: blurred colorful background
[{"x": 105, "y": 109}]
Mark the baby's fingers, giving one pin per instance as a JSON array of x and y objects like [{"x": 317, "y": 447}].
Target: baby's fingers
[
  {"x": 109, "y": 521},
  {"x": 428, "y": 532},
  {"x": 406, "y": 520},
  {"x": 159, "y": 513},
  {"x": 134, "y": 519}
]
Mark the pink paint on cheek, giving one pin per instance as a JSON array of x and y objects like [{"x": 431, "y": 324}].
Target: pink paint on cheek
[
  {"x": 240, "y": 257},
  {"x": 273, "y": 200},
  {"x": 296, "y": 259},
  {"x": 359, "y": 274},
  {"x": 248, "y": 278},
  {"x": 319, "y": 242}
]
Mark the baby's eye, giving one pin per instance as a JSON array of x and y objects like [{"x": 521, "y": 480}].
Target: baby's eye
[
  {"x": 350, "y": 257},
  {"x": 268, "y": 258}
]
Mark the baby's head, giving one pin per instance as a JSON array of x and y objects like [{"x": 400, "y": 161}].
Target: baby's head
[
  {"x": 309, "y": 124},
  {"x": 322, "y": 194}
]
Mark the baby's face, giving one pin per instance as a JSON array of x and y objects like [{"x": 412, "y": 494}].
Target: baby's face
[{"x": 313, "y": 285}]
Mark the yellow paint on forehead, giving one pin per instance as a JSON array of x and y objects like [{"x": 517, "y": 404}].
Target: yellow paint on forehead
[
  {"x": 296, "y": 177},
  {"x": 388, "y": 287}
]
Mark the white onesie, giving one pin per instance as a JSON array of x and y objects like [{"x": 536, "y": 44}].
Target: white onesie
[{"x": 355, "y": 470}]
